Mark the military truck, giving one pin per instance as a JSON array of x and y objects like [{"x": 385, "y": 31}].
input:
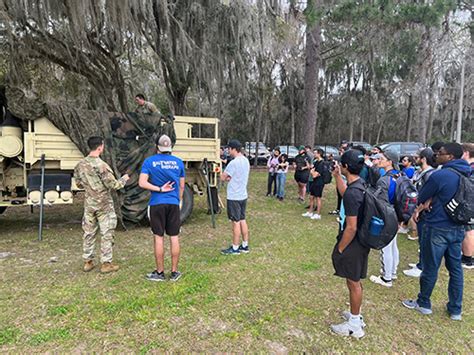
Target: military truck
[{"x": 21, "y": 150}]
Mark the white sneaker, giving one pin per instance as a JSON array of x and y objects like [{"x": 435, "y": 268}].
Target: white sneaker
[
  {"x": 346, "y": 329},
  {"x": 394, "y": 276},
  {"x": 316, "y": 216},
  {"x": 413, "y": 272},
  {"x": 403, "y": 230},
  {"x": 347, "y": 315},
  {"x": 412, "y": 265},
  {"x": 307, "y": 214},
  {"x": 410, "y": 237},
  {"x": 378, "y": 280}
]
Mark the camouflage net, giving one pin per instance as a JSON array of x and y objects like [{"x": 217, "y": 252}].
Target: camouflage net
[{"x": 130, "y": 138}]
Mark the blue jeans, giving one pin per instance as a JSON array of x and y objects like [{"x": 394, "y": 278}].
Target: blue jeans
[
  {"x": 280, "y": 183},
  {"x": 436, "y": 243},
  {"x": 419, "y": 229}
]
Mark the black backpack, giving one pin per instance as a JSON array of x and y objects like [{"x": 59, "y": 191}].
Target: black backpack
[
  {"x": 327, "y": 176},
  {"x": 377, "y": 208},
  {"x": 406, "y": 197},
  {"x": 461, "y": 207}
]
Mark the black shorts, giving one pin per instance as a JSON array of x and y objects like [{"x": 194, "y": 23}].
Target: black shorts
[
  {"x": 302, "y": 176},
  {"x": 236, "y": 210},
  {"x": 316, "y": 190},
  {"x": 352, "y": 263},
  {"x": 164, "y": 218}
]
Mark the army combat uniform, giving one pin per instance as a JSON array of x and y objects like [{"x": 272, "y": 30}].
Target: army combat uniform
[
  {"x": 97, "y": 179},
  {"x": 147, "y": 108}
]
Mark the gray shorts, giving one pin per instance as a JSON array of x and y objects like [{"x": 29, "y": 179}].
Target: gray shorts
[{"x": 236, "y": 210}]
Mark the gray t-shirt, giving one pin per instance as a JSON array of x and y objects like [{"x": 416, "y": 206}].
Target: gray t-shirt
[{"x": 238, "y": 169}]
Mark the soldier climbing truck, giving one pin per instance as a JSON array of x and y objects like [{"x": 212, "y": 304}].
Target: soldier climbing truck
[{"x": 21, "y": 149}]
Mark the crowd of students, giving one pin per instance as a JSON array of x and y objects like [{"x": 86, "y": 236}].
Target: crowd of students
[{"x": 434, "y": 174}]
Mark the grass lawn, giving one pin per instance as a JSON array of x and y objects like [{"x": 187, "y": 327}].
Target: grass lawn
[{"x": 280, "y": 297}]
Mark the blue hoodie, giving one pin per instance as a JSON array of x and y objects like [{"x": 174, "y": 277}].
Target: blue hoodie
[{"x": 441, "y": 186}]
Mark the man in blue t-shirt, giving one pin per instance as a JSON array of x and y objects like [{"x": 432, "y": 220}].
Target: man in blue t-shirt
[
  {"x": 160, "y": 174},
  {"x": 237, "y": 176}
]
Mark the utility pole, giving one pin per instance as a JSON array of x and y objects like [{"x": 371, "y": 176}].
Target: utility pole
[{"x": 461, "y": 104}]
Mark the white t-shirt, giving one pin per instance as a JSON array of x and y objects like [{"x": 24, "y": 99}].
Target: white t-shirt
[{"x": 238, "y": 169}]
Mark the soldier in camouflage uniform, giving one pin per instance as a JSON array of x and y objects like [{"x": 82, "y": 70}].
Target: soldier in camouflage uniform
[
  {"x": 145, "y": 106},
  {"x": 97, "y": 179}
]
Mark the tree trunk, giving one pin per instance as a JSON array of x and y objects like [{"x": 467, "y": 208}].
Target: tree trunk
[
  {"x": 453, "y": 119},
  {"x": 431, "y": 104},
  {"x": 312, "y": 64},
  {"x": 408, "y": 122},
  {"x": 292, "y": 111}
]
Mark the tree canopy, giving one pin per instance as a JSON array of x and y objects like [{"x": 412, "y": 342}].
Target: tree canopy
[{"x": 282, "y": 72}]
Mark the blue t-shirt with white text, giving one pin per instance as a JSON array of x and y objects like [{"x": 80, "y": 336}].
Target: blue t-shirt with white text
[{"x": 162, "y": 168}]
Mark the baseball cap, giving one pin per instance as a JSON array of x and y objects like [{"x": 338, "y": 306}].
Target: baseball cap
[
  {"x": 392, "y": 156},
  {"x": 301, "y": 147},
  {"x": 235, "y": 144},
  {"x": 164, "y": 144},
  {"x": 376, "y": 156},
  {"x": 426, "y": 153},
  {"x": 352, "y": 158}
]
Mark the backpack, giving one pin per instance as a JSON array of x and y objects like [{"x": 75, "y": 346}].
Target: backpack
[
  {"x": 379, "y": 222},
  {"x": 373, "y": 175},
  {"x": 406, "y": 197},
  {"x": 327, "y": 176},
  {"x": 461, "y": 207}
]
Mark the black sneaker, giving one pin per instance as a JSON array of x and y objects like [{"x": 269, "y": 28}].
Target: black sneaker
[
  {"x": 230, "y": 251},
  {"x": 468, "y": 265},
  {"x": 243, "y": 249},
  {"x": 175, "y": 276},
  {"x": 156, "y": 276}
]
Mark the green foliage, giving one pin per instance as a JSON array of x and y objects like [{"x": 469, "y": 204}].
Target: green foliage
[
  {"x": 9, "y": 335},
  {"x": 312, "y": 13},
  {"x": 49, "y": 335}
]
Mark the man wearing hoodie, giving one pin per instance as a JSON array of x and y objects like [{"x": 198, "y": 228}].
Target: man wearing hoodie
[{"x": 441, "y": 236}]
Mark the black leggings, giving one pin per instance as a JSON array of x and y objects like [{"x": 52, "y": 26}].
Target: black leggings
[{"x": 271, "y": 180}]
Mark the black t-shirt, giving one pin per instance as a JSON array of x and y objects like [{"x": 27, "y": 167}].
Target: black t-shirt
[
  {"x": 319, "y": 167},
  {"x": 301, "y": 160},
  {"x": 353, "y": 200}
]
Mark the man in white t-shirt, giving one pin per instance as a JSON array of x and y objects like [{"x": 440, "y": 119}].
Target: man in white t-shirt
[{"x": 237, "y": 176}]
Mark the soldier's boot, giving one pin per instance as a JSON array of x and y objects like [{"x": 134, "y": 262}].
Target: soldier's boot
[
  {"x": 88, "y": 265},
  {"x": 108, "y": 267}
]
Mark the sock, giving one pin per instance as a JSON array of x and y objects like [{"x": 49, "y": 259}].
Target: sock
[
  {"x": 355, "y": 320},
  {"x": 245, "y": 244},
  {"x": 235, "y": 247}
]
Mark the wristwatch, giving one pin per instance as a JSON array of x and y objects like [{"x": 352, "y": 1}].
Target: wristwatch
[{"x": 159, "y": 188}]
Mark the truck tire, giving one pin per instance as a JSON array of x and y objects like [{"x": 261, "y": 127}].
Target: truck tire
[
  {"x": 215, "y": 201},
  {"x": 188, "y": 203},
  {"x": 2, "y": 209}
]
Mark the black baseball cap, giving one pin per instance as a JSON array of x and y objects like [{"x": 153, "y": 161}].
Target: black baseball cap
[
  {"x": 353, "y": 158},
  {"x": 235, "y": 144}
]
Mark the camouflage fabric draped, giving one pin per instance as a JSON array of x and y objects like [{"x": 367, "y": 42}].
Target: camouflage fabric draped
[{"x": 130, "y": 138}]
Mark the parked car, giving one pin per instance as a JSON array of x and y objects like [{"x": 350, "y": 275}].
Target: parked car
[
  {"x": 403, "y": 148},
  {"x": 366, "y": 145},
  {"x": 290, "y": 150},
  {"x": 328, "y": 149},
  {"x": 263, "y": 152}
]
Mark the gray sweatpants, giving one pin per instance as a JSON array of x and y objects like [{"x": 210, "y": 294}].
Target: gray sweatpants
[{"x": 390, "y": 258}]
